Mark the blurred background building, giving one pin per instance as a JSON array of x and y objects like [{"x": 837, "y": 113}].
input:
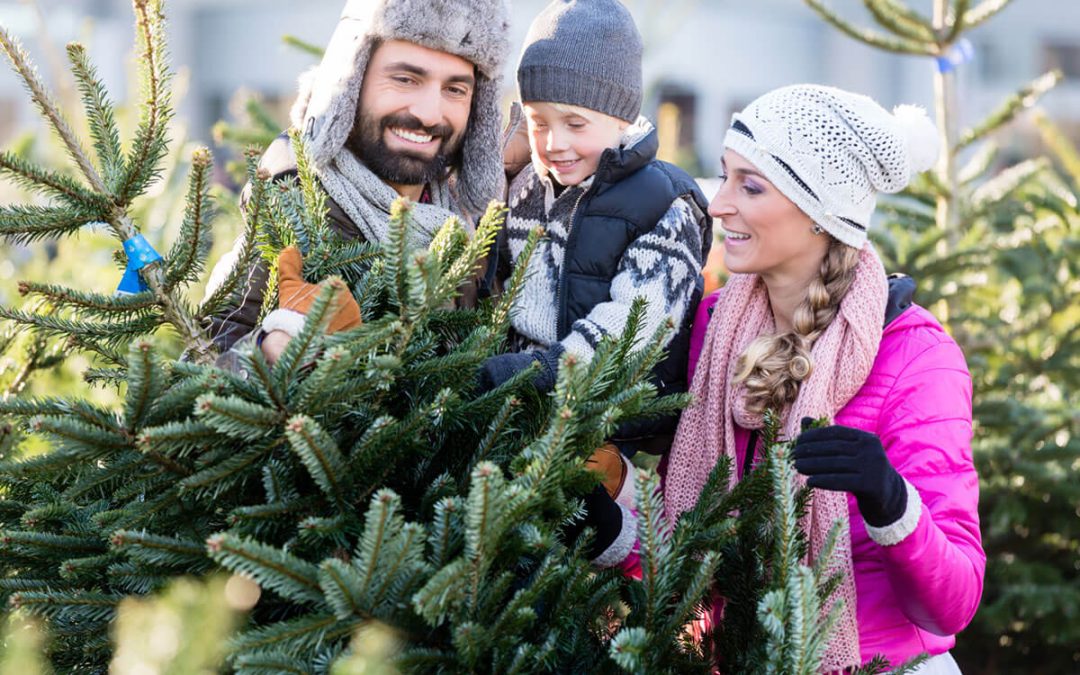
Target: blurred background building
[{"x": 704, "y": 58}]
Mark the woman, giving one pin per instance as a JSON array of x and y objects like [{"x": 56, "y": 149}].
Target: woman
[{"x": 798, "y": 328}]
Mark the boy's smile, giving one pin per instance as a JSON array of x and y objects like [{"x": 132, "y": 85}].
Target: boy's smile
[{"x": 567, "y": 141}]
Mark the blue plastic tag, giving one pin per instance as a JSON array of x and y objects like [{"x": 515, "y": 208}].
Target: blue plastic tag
[
  {"x": 131, "y": 283},
  {"x": 959, "y": 54},
  {"x": 139, "y": 254}
]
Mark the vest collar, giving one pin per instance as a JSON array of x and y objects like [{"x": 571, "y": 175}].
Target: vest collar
[{"x": 639, "y": 148}]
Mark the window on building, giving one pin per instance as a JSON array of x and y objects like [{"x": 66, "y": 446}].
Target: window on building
[
  {"x": 676, "y": 124},
  {"x": 7, "y": 120},
  {"x": 988, "y": 60},
  {"x": 1062, "y": 55}
]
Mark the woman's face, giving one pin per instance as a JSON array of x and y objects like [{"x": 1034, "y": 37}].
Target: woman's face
[{"x": 764, "y": 232}]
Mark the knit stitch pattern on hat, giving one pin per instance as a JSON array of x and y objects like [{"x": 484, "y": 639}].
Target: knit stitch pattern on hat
[
  {"x": 475, "y": 30},
  {"x": 842, "y": 359},
  {"x": 585, "y": 53},
  {"x": 831, "y": 151}
]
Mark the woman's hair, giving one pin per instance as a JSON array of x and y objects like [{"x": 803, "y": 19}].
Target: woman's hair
[{"x": 773, "y": 367}]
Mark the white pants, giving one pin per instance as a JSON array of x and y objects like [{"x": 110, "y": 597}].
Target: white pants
[{"x": 942, "y": 664}]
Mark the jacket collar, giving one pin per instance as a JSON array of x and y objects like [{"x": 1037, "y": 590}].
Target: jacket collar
[
  {"x": 901, "y": 294},
  {"x": 639, "y": 147}
]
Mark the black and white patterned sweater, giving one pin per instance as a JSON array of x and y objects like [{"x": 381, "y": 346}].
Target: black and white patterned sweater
[{"x": 661, "y": 265}]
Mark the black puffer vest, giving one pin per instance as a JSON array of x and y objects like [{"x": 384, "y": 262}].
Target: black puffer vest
[{"x": 630, "y": 193}]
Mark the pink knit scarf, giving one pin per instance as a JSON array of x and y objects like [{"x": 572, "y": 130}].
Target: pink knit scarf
[{"x": 842, "y": 358}]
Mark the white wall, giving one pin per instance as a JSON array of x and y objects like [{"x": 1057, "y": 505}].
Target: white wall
[{"x": 728, "y": 51}]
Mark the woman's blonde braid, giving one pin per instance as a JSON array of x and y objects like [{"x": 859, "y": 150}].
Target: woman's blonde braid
[{"x": 774, "y": 366}]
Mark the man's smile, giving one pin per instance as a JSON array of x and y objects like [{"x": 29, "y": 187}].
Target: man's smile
[{"x": 414, "y": 137}]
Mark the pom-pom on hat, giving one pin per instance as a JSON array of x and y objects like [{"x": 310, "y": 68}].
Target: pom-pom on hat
[
  {"x": 831, "y": 151},
  {"x": 475, "y": 30}
]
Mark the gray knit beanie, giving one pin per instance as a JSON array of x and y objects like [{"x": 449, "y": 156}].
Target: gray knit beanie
[
  {"x": 585, "y": 53},
  {"x": 475, "y": 30}
]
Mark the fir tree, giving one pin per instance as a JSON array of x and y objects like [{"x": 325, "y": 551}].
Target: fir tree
[
  {"x": 360, "y": 479},
  {"x": 994, "y": 255}
]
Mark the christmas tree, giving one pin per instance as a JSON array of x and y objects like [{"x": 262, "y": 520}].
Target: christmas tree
[
  {"x": 361, "y": 480},
  {"x": 994, "y": 254}
]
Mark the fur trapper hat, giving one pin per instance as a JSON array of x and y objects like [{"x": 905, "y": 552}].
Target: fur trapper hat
[{"x": 475, "y": 30}]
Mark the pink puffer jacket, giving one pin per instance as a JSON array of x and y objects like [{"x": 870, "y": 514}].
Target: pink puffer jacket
[{"x": 913, "y": 596}]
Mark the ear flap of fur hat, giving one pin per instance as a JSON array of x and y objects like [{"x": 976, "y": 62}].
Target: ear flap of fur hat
[
  {"x": 475, "y": 30},
  {"x": 480, "y": 177}
]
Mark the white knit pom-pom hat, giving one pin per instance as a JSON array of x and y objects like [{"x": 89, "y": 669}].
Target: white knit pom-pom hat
[{"x": 831, "y": 151}]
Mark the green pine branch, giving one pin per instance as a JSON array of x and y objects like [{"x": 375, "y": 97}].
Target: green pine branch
[
  {"x": 319, "y": 453},
  {"x": 901, "y": 20},
  {"x": 302, "y": 349},
  {"x": 49, "y": 109},
  {"x": 223, "y": 475},
  {"x": 48, "y": 183},
  {"x": 150, "y": 142},
  {"x": 147, "y": 379},
  {"x": 501, "y": 314},
  {"x": 1026, "y": 97},
  {"x": 899, "y": 45},
  {"x": 301, "y": 634},
  {"x": 99, "y": 113},
  {"x": 955, "y": 21},
  {"x": 160, "y": 551},
  {"x": 87, "y": 303},
  {"x": 256, "y": 218},
  {"x": 95, "y": 609},
  {"x": 237, "y": 418},
  {"x": 107, "y": 332},
  {"x": 307, "y": 47},
  {"x": 274, "y": 570},
  {"x": 29, "y": 223},
  {"x": 186, "y": 258},
  {"x": 313, "y": 216},
  {"x": 983, "y": 12}
]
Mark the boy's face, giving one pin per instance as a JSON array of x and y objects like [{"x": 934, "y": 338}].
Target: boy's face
[{"x": 568, "y": 142}]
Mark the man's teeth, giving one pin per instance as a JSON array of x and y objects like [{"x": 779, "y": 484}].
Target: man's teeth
[
  {"x": 412, "y": 136},
  {"x": 728, "y": 234}
]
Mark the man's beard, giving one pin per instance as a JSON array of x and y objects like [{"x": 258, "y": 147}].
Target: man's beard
[{"x": 401, "y": 167}]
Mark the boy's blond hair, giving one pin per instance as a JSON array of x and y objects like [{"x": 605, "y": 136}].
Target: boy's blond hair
[{"x": 589, "y": 114}]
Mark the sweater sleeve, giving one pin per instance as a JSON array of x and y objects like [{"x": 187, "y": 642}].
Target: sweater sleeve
[
  {"x": 935, "y": 562},
  {"x": 240, "y": 315},
  {"x": 662, "y": 266}
]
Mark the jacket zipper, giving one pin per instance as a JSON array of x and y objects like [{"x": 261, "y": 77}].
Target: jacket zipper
[
  {"x": 571, "y": 236},
  {"x": 751, "y": 448}
]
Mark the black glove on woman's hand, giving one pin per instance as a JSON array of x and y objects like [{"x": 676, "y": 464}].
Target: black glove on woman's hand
[
  {"x": 851, "y": 460},
  {"x": 603, "y": 515},
  {"x": 500, "y": 368}
]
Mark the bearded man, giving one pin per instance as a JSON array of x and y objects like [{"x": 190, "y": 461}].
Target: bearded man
[{"x": 403, "y": 103}]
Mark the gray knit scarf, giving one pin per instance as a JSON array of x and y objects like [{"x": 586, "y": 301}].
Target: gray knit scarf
[{"x": 367, "y": 199}]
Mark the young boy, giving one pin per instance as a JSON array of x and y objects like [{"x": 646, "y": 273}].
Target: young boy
[{"x": 620, "y": 224}]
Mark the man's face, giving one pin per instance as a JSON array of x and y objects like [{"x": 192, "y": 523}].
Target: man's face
[{"x": 412, "y": 114}]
